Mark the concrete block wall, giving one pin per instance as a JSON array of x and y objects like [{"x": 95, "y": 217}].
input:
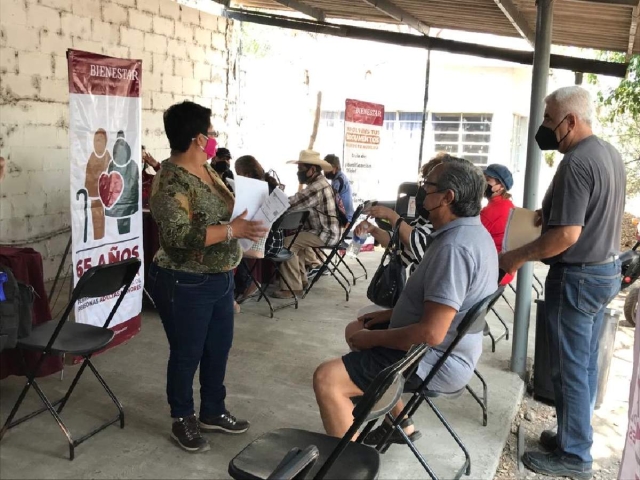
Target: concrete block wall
[{"x": 186, "y": 54}]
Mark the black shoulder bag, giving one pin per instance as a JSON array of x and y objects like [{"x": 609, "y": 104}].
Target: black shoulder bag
[{"x": 388, "y": 281}]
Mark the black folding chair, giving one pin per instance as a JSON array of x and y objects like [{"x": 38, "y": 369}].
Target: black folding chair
[
  {"x": 331, "y": 261},
  {"x": 473, "y": 322},
  {"x": 294, "y": 221},
  {"x": 338, "y": 458},
  {"x": 62, "y": 337}
]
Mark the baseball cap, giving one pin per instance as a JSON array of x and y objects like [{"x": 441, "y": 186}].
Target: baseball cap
[{"x": 500, "y": 173}]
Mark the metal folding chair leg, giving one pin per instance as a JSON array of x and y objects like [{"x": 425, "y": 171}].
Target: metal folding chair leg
[
  {"x": 48, "y": 405},
  {"x": 484, "y": 402},
  {"x": 273, "y": 308},
  {"x": 466, "y": 467},
  {"x": 364, "y": 269},
  {"x": 261, "y": 289},
  {"x": 507, "y": 302},
  {"x": 326, "y": 266},
  {"x": 539, "y": 282}
]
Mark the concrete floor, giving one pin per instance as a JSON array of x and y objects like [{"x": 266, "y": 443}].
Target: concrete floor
[{"x": 268, "y": 382}]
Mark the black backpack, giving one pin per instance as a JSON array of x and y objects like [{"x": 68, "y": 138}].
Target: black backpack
[{"x": 16, "y": 303}]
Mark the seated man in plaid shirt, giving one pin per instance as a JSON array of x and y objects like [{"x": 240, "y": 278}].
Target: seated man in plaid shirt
[{"x": 322, "y": 228}]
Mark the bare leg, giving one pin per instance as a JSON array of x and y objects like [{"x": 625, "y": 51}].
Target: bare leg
[{"x": 334, "y": 390}]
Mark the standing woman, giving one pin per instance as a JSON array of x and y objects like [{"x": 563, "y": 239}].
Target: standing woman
[{"x": 191, "y": 277}]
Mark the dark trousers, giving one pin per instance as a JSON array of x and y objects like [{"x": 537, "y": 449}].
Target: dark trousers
[
  {"x": 575, "y": 299},
  {"x": 197, "y": 314}
]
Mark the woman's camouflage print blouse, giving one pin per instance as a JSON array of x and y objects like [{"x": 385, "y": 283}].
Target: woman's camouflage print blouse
[{"x": 184, "y": 206}]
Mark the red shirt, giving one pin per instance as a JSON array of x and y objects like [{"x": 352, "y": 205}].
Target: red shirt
[{"x": 494, "y": 218}]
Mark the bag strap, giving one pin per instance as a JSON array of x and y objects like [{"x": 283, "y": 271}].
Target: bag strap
[{"x": 395, "y": 236}]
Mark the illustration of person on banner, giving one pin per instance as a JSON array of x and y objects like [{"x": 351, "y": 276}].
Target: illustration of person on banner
[
  {"x": 96, "y": 166},
  {"x": 122, "y": 182}
]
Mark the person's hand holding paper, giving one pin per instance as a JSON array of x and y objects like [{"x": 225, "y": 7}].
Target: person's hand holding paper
[{"x": 523, "y": 227}]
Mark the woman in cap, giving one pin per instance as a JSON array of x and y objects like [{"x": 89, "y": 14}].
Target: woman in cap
[{"x": 495, "y": 215}]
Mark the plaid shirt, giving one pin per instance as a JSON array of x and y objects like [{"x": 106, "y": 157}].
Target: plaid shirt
[{"x": 319, "y": 199}]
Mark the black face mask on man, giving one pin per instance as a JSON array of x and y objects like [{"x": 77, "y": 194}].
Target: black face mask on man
[
  {"x": 302, "y": 177},
  {"x": 221, "y": 166},
  {"x": 420, "y": 198},
  {"x": 546, "y": 137},
  {"x": 330, "y": 175}
]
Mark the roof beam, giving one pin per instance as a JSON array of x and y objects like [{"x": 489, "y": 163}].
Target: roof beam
[
  {"x": 633, "y": 30},
  {"x": 312, "y": 12},
  {"x": 516, "y": 18},
  {"x": 628, "y": 3},
  {"x": 574, "y": 64},
  {"x": 399, "y": 14}
]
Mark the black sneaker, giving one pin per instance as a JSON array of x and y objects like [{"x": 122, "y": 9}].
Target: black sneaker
[
  {"x": 549, "y": 440},
  {"x": 557, "y": 465},
  {"x": 225, "y": 423},
  {"x": 186, "y": 433}
]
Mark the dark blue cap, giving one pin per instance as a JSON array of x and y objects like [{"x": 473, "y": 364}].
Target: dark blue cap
[{"x": 500, "y": 173}]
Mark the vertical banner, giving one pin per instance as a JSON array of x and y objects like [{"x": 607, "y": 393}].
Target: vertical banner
[
  {"x": 362, "y": 156},
  {"x": 105, "y": 155}
]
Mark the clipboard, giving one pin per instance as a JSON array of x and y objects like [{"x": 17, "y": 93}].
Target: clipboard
[{"x": 520, "y": 229}]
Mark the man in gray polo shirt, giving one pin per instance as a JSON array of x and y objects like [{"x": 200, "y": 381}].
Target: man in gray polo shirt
[
  {"x": 581, "y": 221},
  {"x": 458, "y": 270}
]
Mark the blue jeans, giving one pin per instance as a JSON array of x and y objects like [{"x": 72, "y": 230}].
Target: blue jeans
[
  {"x": 197, "y": 314},
  {"x": 575, "y": 299}
]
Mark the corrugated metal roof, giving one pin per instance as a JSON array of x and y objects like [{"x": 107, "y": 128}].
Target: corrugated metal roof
[{"x": 601, "y": 25}]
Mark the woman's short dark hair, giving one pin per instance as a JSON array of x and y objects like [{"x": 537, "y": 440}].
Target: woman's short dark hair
[
  {"x": 468, "y": 184},
  {"x": 183, "y": 122}
]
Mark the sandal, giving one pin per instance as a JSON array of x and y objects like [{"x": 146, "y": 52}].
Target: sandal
[{"x": 377, "y": 435}]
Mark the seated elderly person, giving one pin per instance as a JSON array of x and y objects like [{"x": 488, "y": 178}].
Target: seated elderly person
[
  {"x": 459, "y": 269},
  {"x": 322, "y": 227}
]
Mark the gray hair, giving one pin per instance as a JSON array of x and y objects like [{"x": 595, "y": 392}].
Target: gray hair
[
  {"x": 468, "y": 185},
  {"x": 575, "y": 100}
]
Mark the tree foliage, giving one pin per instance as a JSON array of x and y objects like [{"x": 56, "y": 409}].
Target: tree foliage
[{"x": 619, "y": 113}]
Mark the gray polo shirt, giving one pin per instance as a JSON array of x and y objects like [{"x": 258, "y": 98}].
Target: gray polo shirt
[
  {"x": 588, "y": 190},
  {"x": 459, "y": 269}
]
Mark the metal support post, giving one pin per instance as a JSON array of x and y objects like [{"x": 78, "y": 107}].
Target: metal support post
[{"x": 541, "y": 63}]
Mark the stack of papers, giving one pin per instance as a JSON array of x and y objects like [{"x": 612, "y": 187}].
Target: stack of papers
[{"x": 253, "y": 196}]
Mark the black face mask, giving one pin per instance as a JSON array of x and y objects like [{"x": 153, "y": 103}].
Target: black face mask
[
  {"x": 420, "y": 210},
  {"x": 546, "y": 137},
  {"x": 302, "y": 177},
  {"x": 488, "y": 192},
  {"x": 221, "y": 166},
  {"x": 330, "y": 175}
]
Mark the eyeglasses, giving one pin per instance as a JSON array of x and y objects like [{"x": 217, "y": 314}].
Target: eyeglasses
[{"x": 433, "y": 184}]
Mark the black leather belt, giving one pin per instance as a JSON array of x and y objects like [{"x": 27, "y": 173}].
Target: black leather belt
[{"x": 610, "y": 259}]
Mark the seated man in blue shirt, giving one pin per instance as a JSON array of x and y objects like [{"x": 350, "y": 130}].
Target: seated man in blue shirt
[
  {"x": 340, "y": 184},
  {"x": 459, "y": 269}
]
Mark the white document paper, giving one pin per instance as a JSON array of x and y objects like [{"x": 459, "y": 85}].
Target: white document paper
[
  {"x": 250, "y": 195},
  {"x": 273, "y": 207}
]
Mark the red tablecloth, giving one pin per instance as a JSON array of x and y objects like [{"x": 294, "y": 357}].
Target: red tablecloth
[{"x": 26, "y": 265}]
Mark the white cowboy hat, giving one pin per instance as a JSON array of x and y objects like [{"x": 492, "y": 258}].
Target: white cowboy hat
[{"x": 311, "y": 157}]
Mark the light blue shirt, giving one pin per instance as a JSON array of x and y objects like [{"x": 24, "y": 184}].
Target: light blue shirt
[{"x": 459, "y": 269}]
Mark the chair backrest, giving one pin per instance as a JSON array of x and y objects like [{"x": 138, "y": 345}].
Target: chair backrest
[
  {"x": 392, "y": 376},
  {"x": 348, "y": 228},
  {"x": 296, "y": 464},
  {"x": 406, "y": 192},
  {"x": 472, "y": 322},
  {"x": 100, "y": 281},
  {"x": 291, "y": 220}
]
